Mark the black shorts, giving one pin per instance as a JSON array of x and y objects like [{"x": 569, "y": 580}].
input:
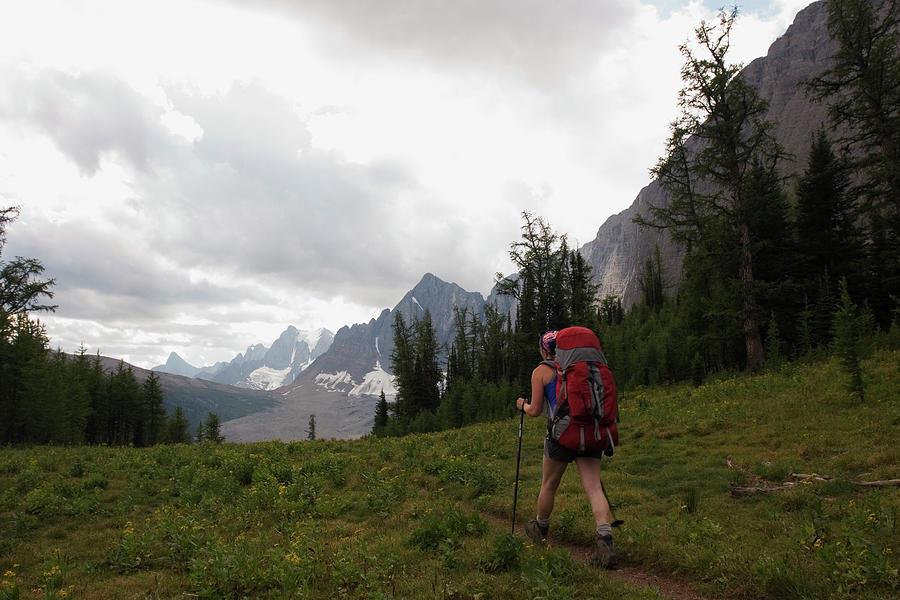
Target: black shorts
[{"x": 554, "y": 450}]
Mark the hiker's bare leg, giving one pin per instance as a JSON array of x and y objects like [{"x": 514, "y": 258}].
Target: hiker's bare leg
[
  {"x": 589, "y": 469},
  {"x": 551, "y": 474}
]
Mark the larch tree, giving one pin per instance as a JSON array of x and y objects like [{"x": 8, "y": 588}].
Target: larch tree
[{"x": 720, "y": 135}]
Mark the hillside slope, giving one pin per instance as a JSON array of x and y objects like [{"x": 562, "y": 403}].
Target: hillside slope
[
  {"x": 198, "y": 397},
  {"x": 428, "y": 515}
]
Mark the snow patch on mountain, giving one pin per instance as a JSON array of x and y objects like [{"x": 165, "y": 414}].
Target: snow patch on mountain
[
  {"x": 334, "y": 382},
  {"x": 267, "y": 378},
  {"x": 311, "y": 337},
  {"x": 374, "y": 382}
]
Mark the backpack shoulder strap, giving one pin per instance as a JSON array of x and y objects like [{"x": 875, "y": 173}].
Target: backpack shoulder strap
[{"x": 553, "y": 366}]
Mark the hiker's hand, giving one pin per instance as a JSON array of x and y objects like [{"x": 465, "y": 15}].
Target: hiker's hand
[{"x": 520, "y": 403}]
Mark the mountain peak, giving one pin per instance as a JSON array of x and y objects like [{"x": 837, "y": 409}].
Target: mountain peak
[{"x": 177, "y": 366}]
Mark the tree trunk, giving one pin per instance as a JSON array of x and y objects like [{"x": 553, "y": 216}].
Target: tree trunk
[{"x": 755, "y": 355}]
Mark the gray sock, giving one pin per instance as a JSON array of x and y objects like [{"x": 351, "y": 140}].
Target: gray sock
[
  {"x": 604, "y": 529},
  {"x": 545, "y": 523}
]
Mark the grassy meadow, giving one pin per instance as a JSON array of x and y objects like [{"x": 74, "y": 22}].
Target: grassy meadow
[{"x": 423, "y": 516}]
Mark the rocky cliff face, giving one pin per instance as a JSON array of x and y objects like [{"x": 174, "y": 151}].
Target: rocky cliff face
[
  {"x": 620, "y": 249},
  {"x": 362, "y": 348},
  {"x": 269, "y": 368}
]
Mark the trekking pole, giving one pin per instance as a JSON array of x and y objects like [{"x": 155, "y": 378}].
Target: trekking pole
[
  {"x": 518, "y": 457},
  {"x": 616, "y": 522}
]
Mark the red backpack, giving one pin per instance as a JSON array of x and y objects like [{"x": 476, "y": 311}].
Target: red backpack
[{"x": 586, "y": 408}]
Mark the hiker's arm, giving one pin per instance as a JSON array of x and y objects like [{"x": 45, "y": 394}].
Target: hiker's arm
[{"x": 536, "y": 406}]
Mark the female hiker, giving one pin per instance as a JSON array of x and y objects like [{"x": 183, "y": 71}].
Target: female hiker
[{"x": 557, "y": 458}]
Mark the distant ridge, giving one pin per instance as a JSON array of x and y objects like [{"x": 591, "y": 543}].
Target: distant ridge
[
  {"x": 260, "y": 367},
  {"x": 197, "y": 397}
]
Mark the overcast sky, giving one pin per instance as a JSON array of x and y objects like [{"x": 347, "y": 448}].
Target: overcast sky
[{"x": 198, "y": 175}]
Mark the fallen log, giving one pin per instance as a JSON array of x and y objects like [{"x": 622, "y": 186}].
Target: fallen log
[
  {"x": 749, "y": 491},
  {"x": 737, "y": 491},
  {"x": 812, "y": 476},
  {"x": 882, "y": 483}
]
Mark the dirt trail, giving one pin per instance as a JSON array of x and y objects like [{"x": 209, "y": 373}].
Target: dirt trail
[{"x": 634, "y": 574}]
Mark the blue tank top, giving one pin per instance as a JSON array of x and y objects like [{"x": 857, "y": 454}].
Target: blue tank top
[{"x": 550, "y": 396}]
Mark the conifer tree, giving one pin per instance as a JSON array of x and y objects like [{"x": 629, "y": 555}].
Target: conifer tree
[
  {"x": 428, "y": 375},
  {"x": 26, "y": 405},
  {"x": 71, "y": 398},
  {"x": 651, "y": 281},
  {"x": 381, "y": 415},
  {"x": 706, "y": 177},
  {"x": 98, "y": 424},
  {"x": 827, "y": 233},
  {"x": 177, "y": 428},
  {"x": 610, "y": 311},
  {"x": 403, "y": 363},
  {"x": 582, "y": 291},
  {"x": 828, "y": 238},
  {"x": 126, "y": 407},
  {"x": 544, "y": 288},
  {"x": 21, "y": 289},
  {"x": 23, "y": 342},
  {"x": 154, "y": 411},
  {"x": 311, "y": 428},
  {"x": 847, "y": 341},
  {"x": 212, "y": 429},
  {"x": 538, "y": 258},
  {"x": 494, "y": 351},
  {"x": 862, "y": 89},
  {"x": 777, "y": 264}
]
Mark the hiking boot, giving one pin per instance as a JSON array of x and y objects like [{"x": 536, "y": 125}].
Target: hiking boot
[
  {"x": 537, "y": 533},
  {"x": 604, "y": 553}
]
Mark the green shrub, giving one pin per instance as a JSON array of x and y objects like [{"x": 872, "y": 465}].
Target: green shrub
[
  {"x": 43, "y": 501},
  {"x": 95, "y": 481},
  {"x": 446, "y": 528},
  {"x": 476, "y": 478},
  {"x": 506, "y": 554}
]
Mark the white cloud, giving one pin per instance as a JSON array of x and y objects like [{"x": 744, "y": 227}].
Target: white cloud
[{"x": 199, "y": 174}]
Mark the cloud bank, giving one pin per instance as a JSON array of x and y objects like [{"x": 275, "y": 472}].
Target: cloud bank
[{"x": 197, "y": 175}]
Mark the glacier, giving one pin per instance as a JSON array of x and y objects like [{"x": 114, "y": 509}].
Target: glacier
[
  {"x": 267, "y": 378},
  {"x": 373, "y": 383}
]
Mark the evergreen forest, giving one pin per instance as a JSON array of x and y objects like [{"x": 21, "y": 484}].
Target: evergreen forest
[
  {"x": 774, "y": 269},
  {"x": 48, "y": 397}
]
